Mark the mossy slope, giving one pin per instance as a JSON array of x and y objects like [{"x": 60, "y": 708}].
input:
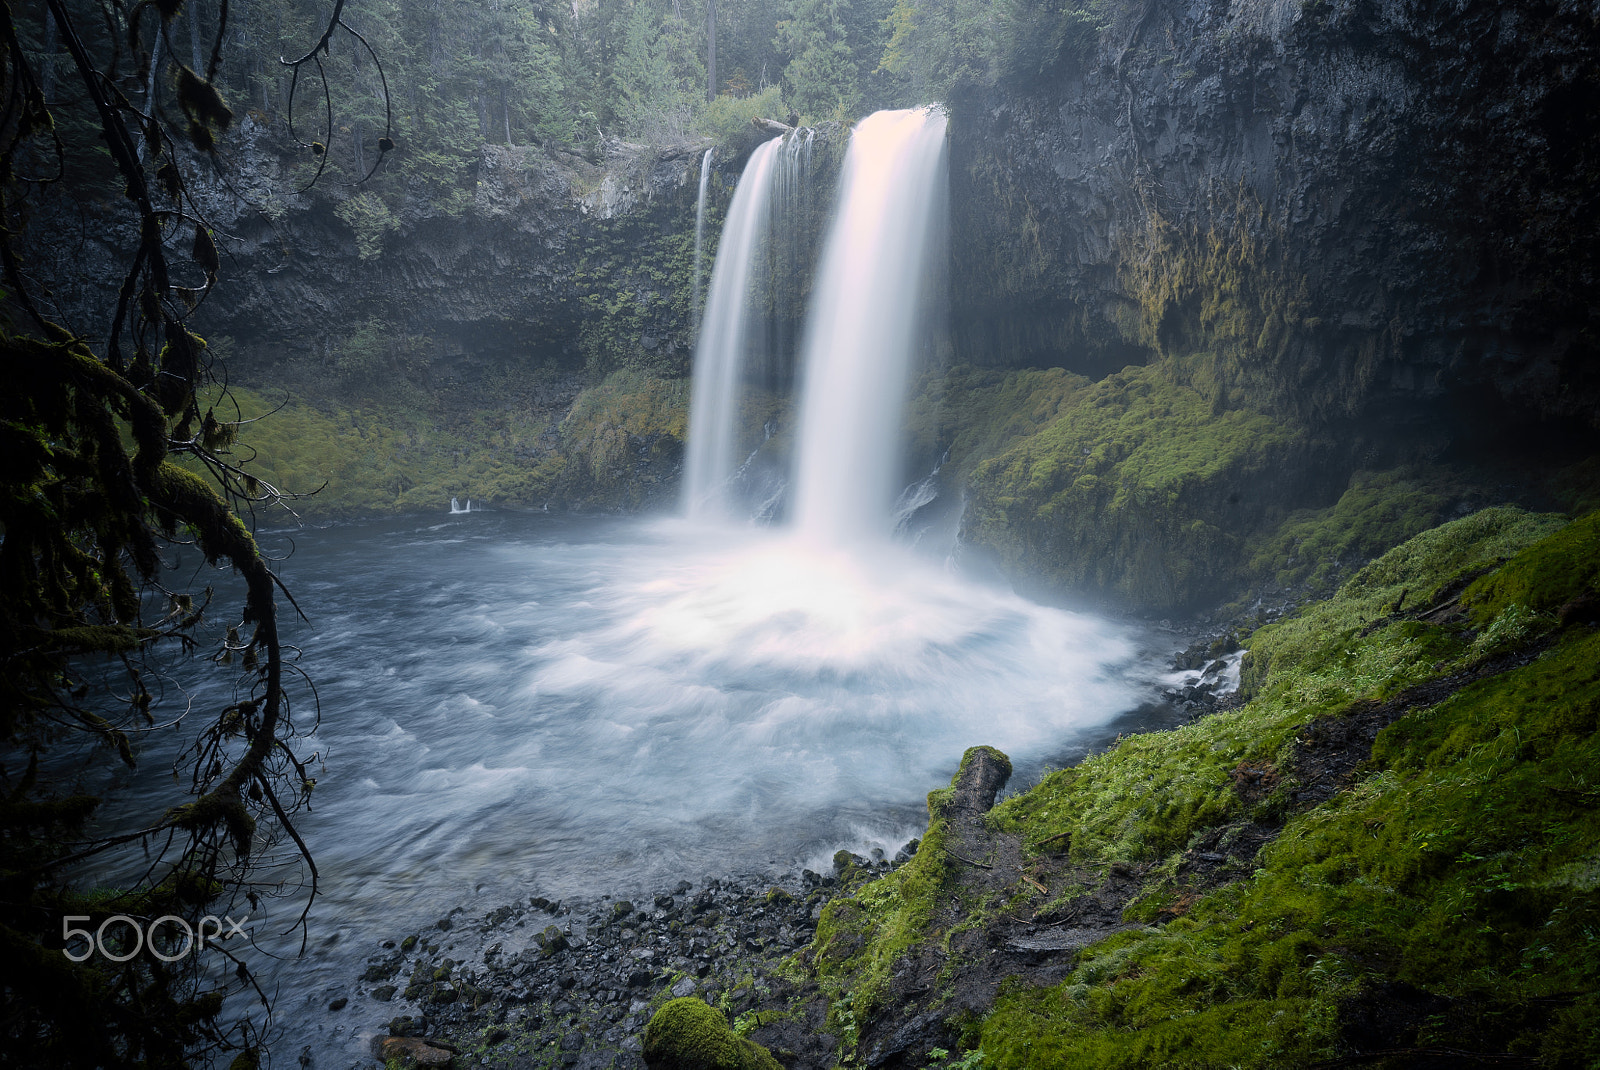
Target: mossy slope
[
  {"x": 616, "y": 447},
  {"x": 1137, "y": 490},
  {"x": 1440, "y": 888},
  {"x": 1145, "y": 491}
]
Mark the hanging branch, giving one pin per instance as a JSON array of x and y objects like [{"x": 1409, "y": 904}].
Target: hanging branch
[
  {"x": 90, "y": 494},
  {"x": 386, "y": 142},
  {"x": 321, "y": 149}
]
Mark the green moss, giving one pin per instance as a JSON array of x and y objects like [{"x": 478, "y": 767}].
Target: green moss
[
  {"x": 1133, "y": 487},
  {"x": 687, "y": 1034},
  {"x": 1465, "y": 862},
  {"x": 860, "y": 938},
  {"x": 1377, "y": 512},
  {"x": 1218, "y": 300},
  {"x": 388, "y": 456},
  {"x": 1317, "y": 644},
  {"x": 1577, "y": 486},
  {"x": 975, "y": 413},
  {"x": 1542, "y": 577},
  {"x": 1145, "y": 797}
]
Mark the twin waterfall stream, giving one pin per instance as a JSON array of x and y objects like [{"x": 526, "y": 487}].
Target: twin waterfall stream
[{"x": 868, "y": 318}]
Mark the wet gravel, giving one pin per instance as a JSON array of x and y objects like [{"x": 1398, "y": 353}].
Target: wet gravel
[{"x": 572, "y": 984}]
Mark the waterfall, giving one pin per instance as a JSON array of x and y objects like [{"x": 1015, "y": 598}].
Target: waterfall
[
  {"x": 700, "y": 227},
  {"x": 725, "y": 335},
  {"x": 866, "y": 321}
]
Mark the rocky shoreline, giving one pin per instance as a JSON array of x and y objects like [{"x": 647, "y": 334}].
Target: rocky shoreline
[{"x": 572, "y": 984}]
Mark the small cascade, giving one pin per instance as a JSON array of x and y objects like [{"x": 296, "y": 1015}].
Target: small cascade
[
  {"x": 868, "y": 318},
  {"x": 700, "y": 228},
  {"x": 924, "y": 492},
  {"x": 456, "y": 508},
  {"x": 720, "y": 353}
]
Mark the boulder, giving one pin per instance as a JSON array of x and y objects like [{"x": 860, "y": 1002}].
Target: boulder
[
  {"x": 688, "y": 1034},
  {"x": 408, "y": 1052}
]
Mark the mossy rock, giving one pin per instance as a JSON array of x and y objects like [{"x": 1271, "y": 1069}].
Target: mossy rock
[{"x": 688, "y": 1034}]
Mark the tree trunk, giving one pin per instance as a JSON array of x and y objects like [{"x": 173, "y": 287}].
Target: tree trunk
[
  {"x": 194, "y": 39},
  {"x": 711, "y": 50}
]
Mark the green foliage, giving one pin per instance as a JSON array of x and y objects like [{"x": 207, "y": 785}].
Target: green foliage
[
  {"x": 939, "y": 49},
  {"x": 1542, "y": 577},
  {"x": 728, "y": 117},
  {"x": 822, "y": 75},
  {"x": 688, "y": 1034},
  {"x": 655, "y": 75},
  {"x": 457, "y": 73},
  {"x": 375, "y": 362},
  {"x": 634, "y": 285},
  {"x": 90, "y": 502},
  {"x": 370, "y": 219}
]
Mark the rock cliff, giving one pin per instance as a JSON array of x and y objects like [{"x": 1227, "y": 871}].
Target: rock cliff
[
  {"x": 1358, "y": 206},
  {"x": 1367, "y": 222}
]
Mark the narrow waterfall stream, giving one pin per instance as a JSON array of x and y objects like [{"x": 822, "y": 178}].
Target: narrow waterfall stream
[
  {"x": 724, "y": 341},
  {"x": 700, "y": 231}
]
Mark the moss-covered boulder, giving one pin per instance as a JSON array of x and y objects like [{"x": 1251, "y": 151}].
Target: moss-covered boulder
[{"x": 687, "y": 1034}]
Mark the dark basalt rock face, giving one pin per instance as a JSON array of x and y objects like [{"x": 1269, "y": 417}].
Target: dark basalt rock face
[
  {"x": 1385, "y": 209},
  {"x": 501, "y": 278}
]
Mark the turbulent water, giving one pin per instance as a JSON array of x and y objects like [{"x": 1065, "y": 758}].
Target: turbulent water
[
  {"x": 519, "y": 704},
  {"x": 565, "y": 705}
]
